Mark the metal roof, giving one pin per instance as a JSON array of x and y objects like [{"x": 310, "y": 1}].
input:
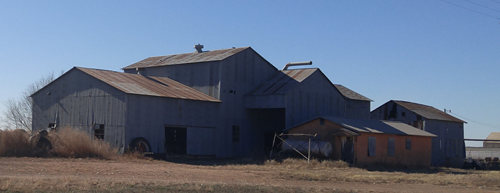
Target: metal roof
[
  {"x": 194, "y": 57},
  {"x": 379, "y": 126},
  {"x": 283, "y": 80},
  {"x": 428, "y": 112},
  {"x": 494, "y": 136},
  {"x": 350, "y": 94},
  {"x": 147, "y": 85}
]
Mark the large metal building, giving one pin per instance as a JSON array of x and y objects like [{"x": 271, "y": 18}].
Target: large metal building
[
  {"x": 223, "y": 103},
  {"x": 448, "y": 148}
]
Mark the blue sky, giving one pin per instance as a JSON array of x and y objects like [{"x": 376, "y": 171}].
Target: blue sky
[{"x": 444, "y": 53}]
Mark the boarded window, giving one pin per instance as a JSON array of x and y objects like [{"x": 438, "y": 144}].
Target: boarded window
[
  {"x": 236, "y": 133},
  {"x": 371, "y": 146},
  {"x": 390, "y": 146},
  {"x": 408, "y": 144},
  {"x": 99, "y": 131}
]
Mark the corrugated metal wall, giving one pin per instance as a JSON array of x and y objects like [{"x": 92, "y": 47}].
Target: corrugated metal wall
[
  {"x": 448, "y": 148},
  {"x": 148, "y": 116},
  {"x": 315, "y": 96},
  {"x": 79, "y": 101},
  {"x": 418, "y": 155},
  {"x": 228, "y": 80},
  {"x": 240, "y": 74}
]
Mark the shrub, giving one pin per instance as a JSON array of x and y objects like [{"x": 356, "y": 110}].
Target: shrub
[
  {"x": 15, "y": 143},
  {"x": 68, "y": 142}
]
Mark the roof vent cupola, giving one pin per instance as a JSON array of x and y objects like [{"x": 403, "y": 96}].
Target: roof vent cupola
[{"x": 199, "y": 48}]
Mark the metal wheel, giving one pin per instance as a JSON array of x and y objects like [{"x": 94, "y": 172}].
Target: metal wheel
[{"x": 140, "y": 145}]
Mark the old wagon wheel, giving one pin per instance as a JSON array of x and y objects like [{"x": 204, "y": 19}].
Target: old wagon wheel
[{"x": 140, "y": 145}]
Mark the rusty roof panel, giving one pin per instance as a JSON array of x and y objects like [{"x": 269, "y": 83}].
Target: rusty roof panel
[
  {"x": 494, "y": 136},
  {"x": 300, "y": 74},
  {"x": 283, "y": 81},
  {"x": 350, "y": 94},
  {"x": 147, "y": 85},
  {"x": 379, "y": 126},
  {"x": 428, "y": 111},
  {"x": 195, "y": 57}
]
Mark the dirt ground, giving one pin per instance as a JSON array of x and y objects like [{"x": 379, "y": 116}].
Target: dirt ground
[{"x": 139, "y": 175}]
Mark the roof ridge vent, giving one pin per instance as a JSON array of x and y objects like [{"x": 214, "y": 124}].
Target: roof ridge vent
[
  {"x": 199, "y": 48},
  {"x": 297, "y": 64}
]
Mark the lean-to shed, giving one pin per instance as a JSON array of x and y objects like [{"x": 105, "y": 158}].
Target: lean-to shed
[{"x": 367, "y": 142}]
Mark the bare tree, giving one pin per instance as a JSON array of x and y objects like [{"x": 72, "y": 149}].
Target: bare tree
[{"x": 18, "y": 112}]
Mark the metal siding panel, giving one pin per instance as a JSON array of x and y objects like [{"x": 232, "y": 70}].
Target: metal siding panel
[
  {"x": 79, "y": 102},
  {"x": 200, "y": 141},
  {"x": 148, "y": 116}
]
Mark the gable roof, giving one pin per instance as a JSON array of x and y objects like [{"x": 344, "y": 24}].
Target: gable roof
[
  {"x": 283, "y": 80},
  {"x": 494, "y": 136},
  {"x": 377, "y": 126},
  {"x": 286, "y": 79},
  {"x": 146, "y": 85},
  {"x": 186, "y": 58},
  {"x": 350, "y": 94},
  {"x": 428, "y": 112}
]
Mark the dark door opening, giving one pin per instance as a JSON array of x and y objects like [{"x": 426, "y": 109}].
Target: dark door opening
[
  {"x": 175, "y": 140},
  {"x": 265, "y": 123},
  {"x": 347, "y": 149}
]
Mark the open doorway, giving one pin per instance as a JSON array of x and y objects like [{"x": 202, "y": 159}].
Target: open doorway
[
  {"x": 175, "y": 140},
  {"x": 265, "y": 123}
]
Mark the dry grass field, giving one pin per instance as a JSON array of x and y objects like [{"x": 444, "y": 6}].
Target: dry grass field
[
  {"x": 147, "y": 175},
  {"x": 76, "y": 163}
]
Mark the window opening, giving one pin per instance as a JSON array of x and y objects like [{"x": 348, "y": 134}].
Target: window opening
[
  {"x": 371, "y": 146},
  {"x": 236, "y": 133},
  {"x": 99, "y": 131},
  {"x": 390, "y": 147}
]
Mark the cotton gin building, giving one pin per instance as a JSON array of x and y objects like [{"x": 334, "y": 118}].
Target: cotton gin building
[{"x": 222, "y": 103}]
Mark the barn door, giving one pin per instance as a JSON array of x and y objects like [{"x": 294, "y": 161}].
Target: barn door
[
  {"x": 175, "y": 140},
  {"x": 347, "y": 149}
]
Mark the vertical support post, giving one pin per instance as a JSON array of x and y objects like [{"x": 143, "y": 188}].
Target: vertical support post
[
  {"x": 272, "y": 147},
  {"x": 309, "y": 151}
]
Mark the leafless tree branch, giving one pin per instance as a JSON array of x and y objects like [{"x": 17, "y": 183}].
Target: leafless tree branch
[{"x": 18, "y": 112}]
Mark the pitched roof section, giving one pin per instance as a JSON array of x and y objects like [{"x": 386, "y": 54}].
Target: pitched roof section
[
  {"x": 494, "y": 136},
  {"x": 379, "y": 126},
  {"x": 350, "y": 94},
  {"x": 428, "y": 111},
  {"x": 147, "y": 85},
  {"x": 194, "y": 57},
  {"x": 283, "y": 80}
]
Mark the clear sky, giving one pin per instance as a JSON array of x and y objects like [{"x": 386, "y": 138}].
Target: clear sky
[{"x": 443, "y": 53}]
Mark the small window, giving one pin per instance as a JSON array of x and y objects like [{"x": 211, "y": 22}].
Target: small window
[
  {"x": 390, "y": 147},
  {"x": 99, "y": 131},
  {"x": 236, "y": 133},
  {"x": 403, "y": 114},
  {"x": 321, "y": 121},
  {"x": 408, "y": 143},
  {"x": 371, "y": 146}
]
